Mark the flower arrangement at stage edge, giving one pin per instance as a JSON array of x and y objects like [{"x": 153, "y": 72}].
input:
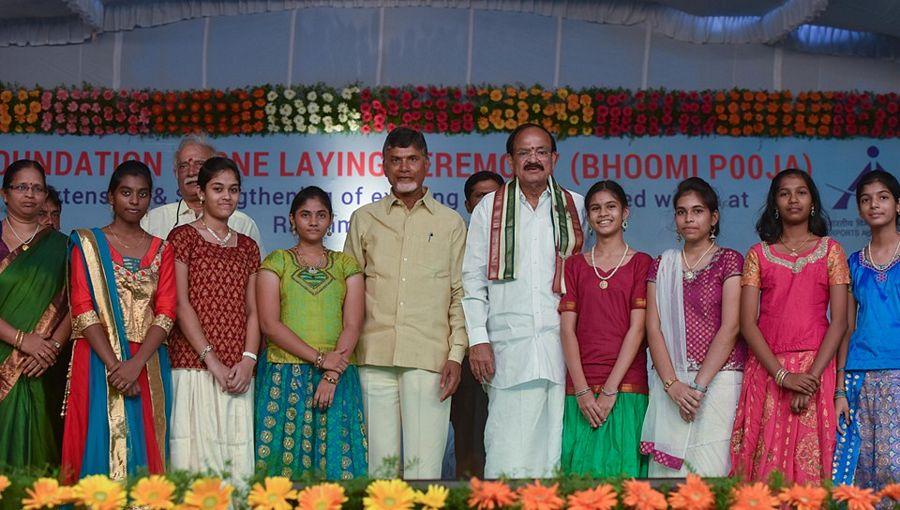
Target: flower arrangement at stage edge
[
  {"x": 641, "y": 496},
  {"x": 272, "y": 494},
  {"x": 602, "y": 497},
  {"x": 891, "y": 491},
  {"x": 324, "y": 496},
  {"x": 215, "y": 112},
  {"x": 90, "y": 111},
  {"x": 98, "y": 492},
  {"x": 153, "y": 493},
  {"x": 19, "y": 110},
  {"x": 47, "y": 493},
  {"x": 856, "y": 498},
  {"x": 562, "y": 111},
  {"x": 312, "y": 110},
  {"x": 389, "y": 495},
  {"x": 487, "y": 495},
  {"x": 803, "y": 497},
  {"x": 429, "y": 109},
  {"x": 434, "y": 498},
  {"x": 756, "y": 496},
  {"x": 693, "y": 494},
  {"x": 208, "y": 494},
  {"x": 4, "y": 483}
]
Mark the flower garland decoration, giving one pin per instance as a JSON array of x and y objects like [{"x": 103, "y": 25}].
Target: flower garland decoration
[
  {"x": 312, "y": 110},
  {"x": 566, "y": 112}
]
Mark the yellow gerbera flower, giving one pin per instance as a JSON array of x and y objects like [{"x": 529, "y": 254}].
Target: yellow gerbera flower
[
  {"x": 324, "y": 496},
  {"x": 272, "y": 496},
  {"x": 44, "y": 493},
  {"x": 98, "y": 492},
  {"x": 209, "y": 494},
  {"x": 389, "y": 495},
  {"x": 153, "y": 493},
  {"x": 433, "y": 499},
  {"x": 4, "y": 483}
]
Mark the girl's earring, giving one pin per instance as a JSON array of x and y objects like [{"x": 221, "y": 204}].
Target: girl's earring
[
  {"x": 812, "y": 211},
  {"x": 776, "y": 214},
  {"x": 624, "y": 224},
  {"x": 678, "y": 236},
  {"x": 712, "y": 235}
]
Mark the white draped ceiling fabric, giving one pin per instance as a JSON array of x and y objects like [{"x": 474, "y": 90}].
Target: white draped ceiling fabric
[{"x": 863, "y": 28}]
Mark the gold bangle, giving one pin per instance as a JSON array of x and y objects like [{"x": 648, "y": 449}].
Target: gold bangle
[
  {"x": 20, "y": 337},
  {"x": 320, "y": 358},
  {"x": 668, "y": 384},
  {"x": 330, "y": 379}
]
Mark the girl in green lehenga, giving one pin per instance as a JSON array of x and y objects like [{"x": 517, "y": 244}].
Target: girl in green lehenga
[{"x": 33, "y": 320}]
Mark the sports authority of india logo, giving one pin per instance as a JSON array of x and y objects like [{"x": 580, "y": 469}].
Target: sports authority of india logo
[{"x": 850, "y": 192}]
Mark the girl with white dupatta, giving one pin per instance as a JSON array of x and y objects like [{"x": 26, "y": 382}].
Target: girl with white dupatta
[{"x": 693, "y": 305}]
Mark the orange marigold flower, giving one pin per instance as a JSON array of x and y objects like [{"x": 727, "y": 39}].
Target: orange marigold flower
[
  {"x": 510, "y": 124},
  {"x": 640, "y": 496},
  {"x": 563, "y": 93},
  {"x": 855, "y": 497},
  {"x": 535, "y": 496},
  {"x": 523, "y": 94},
  {"x": 483, "y": 123},
  {"x": 693, "y": 494},
  {"x": 6, "y": 96},
  {"x": 603, "y": 497},
  {"x": 490, "y": 495},
  {"x": 753, "y": 497},
  {"x": 496, "y": 95},
  {"x": 891, "y": 490},
  {"x": 803, "y": 497},
  {"x": 23, "y": 95},
  {"x": 720, "y": 97}
]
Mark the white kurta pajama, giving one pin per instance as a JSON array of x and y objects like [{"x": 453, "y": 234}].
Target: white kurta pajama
[{"x": 519, "y": 318}]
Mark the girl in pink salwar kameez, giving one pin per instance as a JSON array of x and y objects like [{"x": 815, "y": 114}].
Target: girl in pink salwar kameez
[{"x": 785, "y": 418}]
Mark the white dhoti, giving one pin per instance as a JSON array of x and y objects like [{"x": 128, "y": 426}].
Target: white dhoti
[
  {"x": 523, "y": 434},
  {"x": 708, "y": 452},
  {"x": 403, "y": 406},
  {"x": 210, "y": 429}
]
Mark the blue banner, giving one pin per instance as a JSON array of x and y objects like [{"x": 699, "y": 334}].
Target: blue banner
[{"x": 350, "y": 168}]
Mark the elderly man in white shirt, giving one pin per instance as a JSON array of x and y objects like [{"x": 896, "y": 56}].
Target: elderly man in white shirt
[
  {"x": 192, "y": 152},
  {"x": 512, "y": 276}
]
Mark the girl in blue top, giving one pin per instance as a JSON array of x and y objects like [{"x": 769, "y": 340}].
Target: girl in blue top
[{"x": 868, "y": 396}]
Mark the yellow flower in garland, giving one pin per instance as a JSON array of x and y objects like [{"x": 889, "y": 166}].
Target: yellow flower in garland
[
  {"x": 4, "y": 483},
  {"x": 389, "y": 495},
  {"x": 44, "y": 493},
  {"x": 433, "y": 499},
  {"x": 755, "y": 496},
  {"x": 208, "y": 494},
  {"x": 324, "y": 496},
  {"x": 98, "y": 492},
  {"x": 153, "y": 493},
  {"x": 272, "y": 496}
]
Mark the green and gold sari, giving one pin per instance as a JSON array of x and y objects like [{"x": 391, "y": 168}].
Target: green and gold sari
[{"x": 32, "y": 299}]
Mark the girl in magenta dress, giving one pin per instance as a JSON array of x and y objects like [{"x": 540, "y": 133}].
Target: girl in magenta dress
[{"x": 785, "y": 417}]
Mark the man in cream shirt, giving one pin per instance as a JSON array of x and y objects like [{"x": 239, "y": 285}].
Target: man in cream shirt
[
  {"x": 192, "y": 152},
  {"x": 512, "y": 290}
]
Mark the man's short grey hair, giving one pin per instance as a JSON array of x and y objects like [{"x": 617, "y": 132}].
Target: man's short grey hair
[{"x": 194, "y": 139}]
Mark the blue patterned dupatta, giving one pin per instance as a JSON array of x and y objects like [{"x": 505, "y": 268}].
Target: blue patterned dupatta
[
  {"x": 846, "y": 452},
  {"x": 114, "y": 420}
]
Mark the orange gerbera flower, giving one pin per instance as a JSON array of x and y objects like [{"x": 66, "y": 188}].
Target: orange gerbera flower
[
  {"x": 753, "y": 497},
  {"x": 855, "y": 497},
  {"x": 324, "y": 496},
  {"x": 693, "y": 494},
  {"x": 603, "y": 497},
  {"x": 4, "y": 483},
  {"x": 891, "y": 490},
  {"x": 641, "y": 496},
  {"x": 535, "y": 496},
  {"x": 273, "y": 495},
  {"x": 209, "y": 494},
  {"x": 490, "y": 495}
]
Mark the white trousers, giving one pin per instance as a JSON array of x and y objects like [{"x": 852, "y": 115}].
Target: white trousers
[
  {"x": 523, "y": 434},
  {"x": 210, "y": 429},
  {"x": 402, "y": 407}
]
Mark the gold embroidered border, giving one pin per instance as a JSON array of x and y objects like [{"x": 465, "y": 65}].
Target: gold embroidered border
[
  {"x": 11, "y": 367},
  {"x": 164, "y": 321},
  {"x": 801, "y": 262},
  {"x": 157, "y": 403},
  {"x": 84, "y": 321}
]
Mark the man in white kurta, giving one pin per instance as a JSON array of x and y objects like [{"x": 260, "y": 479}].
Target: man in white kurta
[{"x": 513, "y": 325}]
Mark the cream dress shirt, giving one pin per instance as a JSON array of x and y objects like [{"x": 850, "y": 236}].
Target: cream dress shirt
[{"x": 160, "y": 221}]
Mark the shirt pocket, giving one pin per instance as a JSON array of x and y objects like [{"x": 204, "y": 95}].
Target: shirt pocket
[{"x": 431, "y": 255}]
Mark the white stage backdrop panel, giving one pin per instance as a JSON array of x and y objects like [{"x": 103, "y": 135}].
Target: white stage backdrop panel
[{"x": 350, "y": 168}]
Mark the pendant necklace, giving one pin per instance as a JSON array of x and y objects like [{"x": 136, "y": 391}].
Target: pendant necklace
[
  {"x": 127, "y": 247},
  {"x": 797, "y": 249},
  {"x": 880, "y": 269},
  {"x": 689, "y": 274},
  {"x": 311, "y": 268},
  {"x": 221, "y": 240},
  {"x": 23, "y": 241},
  {"x": 604, "y": 280}
]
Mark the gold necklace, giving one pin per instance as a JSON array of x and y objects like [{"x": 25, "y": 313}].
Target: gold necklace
[
  {"x": 127, "y": 247},
  {"x": 882, "y": 267},
  {"x": 604, "y": 280},
  {"x": 690, "y": 274},
  {"x": 794, "y": 251},
  {"x": 311, "y": 268},
  {"x": 221, "y": 240}
]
